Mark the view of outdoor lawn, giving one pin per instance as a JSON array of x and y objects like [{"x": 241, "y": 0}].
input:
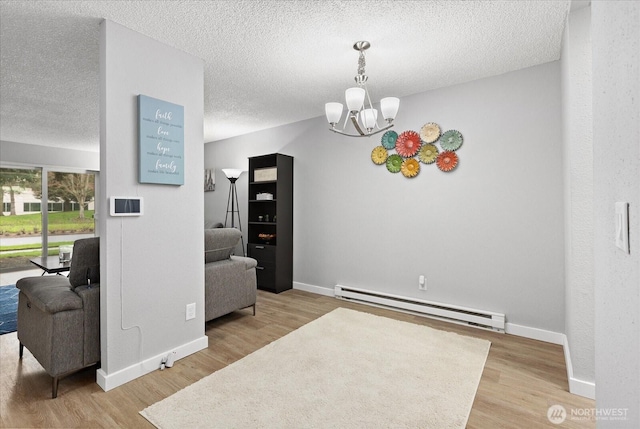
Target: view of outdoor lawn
[{"x": 69, "y": 208}]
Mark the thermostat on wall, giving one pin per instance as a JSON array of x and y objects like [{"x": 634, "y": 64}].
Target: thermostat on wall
[{"x": 126, "y": 206}]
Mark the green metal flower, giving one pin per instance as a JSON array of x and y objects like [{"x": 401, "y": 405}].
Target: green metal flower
[{"x": 394, "y": 163}]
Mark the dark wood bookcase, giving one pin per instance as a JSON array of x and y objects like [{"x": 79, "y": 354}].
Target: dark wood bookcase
[{"x": 271, "y": 174}]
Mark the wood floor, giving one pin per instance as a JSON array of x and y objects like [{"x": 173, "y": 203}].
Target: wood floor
[{"x": 521, "y": 380}]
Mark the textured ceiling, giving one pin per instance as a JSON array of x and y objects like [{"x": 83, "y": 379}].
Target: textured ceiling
[{"x": 267, "y": 63}]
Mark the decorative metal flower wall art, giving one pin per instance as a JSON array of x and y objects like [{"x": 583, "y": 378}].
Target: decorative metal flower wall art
[
  {"x": 413, "y": 148},
  {"x": 430, "y": 132},
  {"x": 447, "y": 160},
  {"x": 389, "y": 139},
  {"x": 408, "y": 144},
  {"x": 379, "y": 155},
  {"x": 410, "y": 167},
  {"x": 428, "y": 153},
  {"x": 451, "y": 140},
  {"x": 394, "y": 163}
]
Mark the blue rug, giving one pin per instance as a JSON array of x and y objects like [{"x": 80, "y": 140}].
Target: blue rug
[{"x": 8, "y": 309}]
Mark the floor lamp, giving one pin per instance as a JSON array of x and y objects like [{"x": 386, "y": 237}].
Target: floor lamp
[{"x": 232, "y": 201}]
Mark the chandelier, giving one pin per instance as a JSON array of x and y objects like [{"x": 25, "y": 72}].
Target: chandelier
[{"x": 359, "y": 107}]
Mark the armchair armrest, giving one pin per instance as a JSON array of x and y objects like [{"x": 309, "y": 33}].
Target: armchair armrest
[
  {"x": 90, "y": 295},
  {"x": 248, "y": 262}
]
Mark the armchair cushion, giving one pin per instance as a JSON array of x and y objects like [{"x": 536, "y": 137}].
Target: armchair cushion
[
  {"x": 50, "y": 294},
  {"x": 219, "y": 243},
  {"x": 85, "y": 264}
]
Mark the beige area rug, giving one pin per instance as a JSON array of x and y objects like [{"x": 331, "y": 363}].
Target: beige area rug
[{"x": 347, "y": 369}]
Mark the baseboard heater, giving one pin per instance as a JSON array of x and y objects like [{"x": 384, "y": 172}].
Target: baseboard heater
[{"x": 435, "y": 310}]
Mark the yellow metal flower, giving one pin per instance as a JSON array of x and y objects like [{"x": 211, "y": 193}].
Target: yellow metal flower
[
  {"x": 410, "y": 167},
  {"x": 379, "y": 155}
]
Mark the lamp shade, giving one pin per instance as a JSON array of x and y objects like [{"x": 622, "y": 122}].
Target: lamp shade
[
  {"x": 389, "y": 107},
  {"x": 369, "y": 118},
  {"x": 232, "y": 173},
  {"x": 355, "y": 98},
  {"x": 333, "y": 112}
]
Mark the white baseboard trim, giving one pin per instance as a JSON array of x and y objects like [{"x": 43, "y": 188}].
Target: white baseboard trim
[
  {"x": 118, "y": 378},
  {"x": 314, "y": 289},
  {"x": 576, "y": 386},
  {"x": 535, "y": 333}
]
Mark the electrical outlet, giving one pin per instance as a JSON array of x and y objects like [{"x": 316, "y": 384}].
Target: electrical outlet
[
  {"x": 191, "y": 311},
  {"x": 422, "y": 283}
]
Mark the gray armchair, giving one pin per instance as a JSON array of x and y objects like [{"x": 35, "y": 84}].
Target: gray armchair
[
  {"x": 229, "y": 281},
  {"x": 59, "y": 317}
]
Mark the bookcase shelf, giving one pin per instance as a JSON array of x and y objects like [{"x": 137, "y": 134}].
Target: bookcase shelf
[{"x": 272, "y": 219}]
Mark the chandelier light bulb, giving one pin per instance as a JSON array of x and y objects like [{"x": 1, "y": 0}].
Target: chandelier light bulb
[
  {"x": 333, "y": 112},
  {"x": 369, "y": 118},
  {"x": 355, "y": 98},
  {"x": 389, "y": 107}
]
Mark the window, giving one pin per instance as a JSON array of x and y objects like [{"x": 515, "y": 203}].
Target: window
[
  {"x": 66, "y": 214},
  {"x": 55, "y": 207},
  {"x": 76, "y": 207},
  {"x": 31, "y": 207}
]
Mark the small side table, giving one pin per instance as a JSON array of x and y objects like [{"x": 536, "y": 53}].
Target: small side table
[{"x": 51, "y": 265}]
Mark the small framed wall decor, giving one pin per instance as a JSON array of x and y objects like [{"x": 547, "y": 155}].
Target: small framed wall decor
[
  {"x": 161, "y": 141},
  {"x": 209, "y": 180}
]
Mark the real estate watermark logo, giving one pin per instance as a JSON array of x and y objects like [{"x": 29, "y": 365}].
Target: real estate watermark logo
[{"x": 557, "y": 414}]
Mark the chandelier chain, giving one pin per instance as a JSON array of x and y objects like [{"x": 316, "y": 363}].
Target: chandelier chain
[{"x": 361, "y": 63}]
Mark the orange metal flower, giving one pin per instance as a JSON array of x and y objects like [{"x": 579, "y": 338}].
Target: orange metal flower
[{"x": 447, "y": 161}]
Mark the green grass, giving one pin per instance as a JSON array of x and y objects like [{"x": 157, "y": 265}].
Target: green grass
[
  {"x": 30, "y": 254},
  {"x": 34, "y": 246},
  {"x": 17, "y": 256},
  {"x": 30, "y": 250},
  {"x": 59, "y": 222}
]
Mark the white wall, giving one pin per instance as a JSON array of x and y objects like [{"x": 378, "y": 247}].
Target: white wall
[
  {"x": 152, "y": 265},
  {"x": 578, "y": 185},
  {"x": 488, "y": 235},
  {"x": 616, "y": 141}
]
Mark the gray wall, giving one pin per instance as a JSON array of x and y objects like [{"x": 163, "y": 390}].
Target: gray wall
[
  {"x": 578, "y": 169},
  {"x": 152, "y": 265},
  {"x": 46, "y": 156},
  {"x": 616, "y": 141},
  {"x": 488, "y": 235}
]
